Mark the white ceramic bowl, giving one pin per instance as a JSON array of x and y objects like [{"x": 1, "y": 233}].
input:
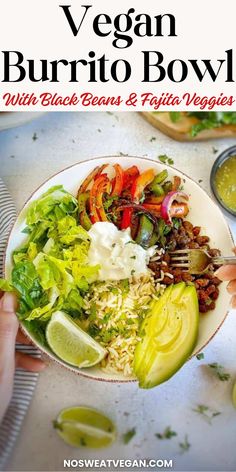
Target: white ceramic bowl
[{"x": 203, "y": 212}]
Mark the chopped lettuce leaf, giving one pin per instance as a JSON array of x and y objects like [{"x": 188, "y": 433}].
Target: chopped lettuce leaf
[
  {"x": 45, "y": 312},
  {"x": 67, "y": 231},
  {"x": 26, "y": 281},
  {"x": 37, "y": 329},
  {"x": 53, "y": 205},
  {"x": 90, "y": 273},
  {"x": 73, "y": 304},
  {"x": 48, "y": 272},
  {"x": 5, "y": 286},
  {"x": 78, "y": 253},
  {"x": 19, "y": 255},
  {"x": 32, "y": 251}
]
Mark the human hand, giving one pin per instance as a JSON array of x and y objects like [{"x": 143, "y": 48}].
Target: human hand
[
  {"x": 9, "y": 359},
  {"x": 225, "y": 273}
]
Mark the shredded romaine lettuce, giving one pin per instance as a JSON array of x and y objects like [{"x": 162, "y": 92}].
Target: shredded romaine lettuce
[
  {"x": 51, "y": 271},
  {"x": 5, "y": 286},
  {"x": 53, "y": 205}
]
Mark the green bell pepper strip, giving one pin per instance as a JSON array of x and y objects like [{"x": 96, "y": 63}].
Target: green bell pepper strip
[
  {"x": 84, "y": 219},
  {"x": 159, "y": 178},
  {"x": 145, "y": 232},
  {"x": 155, "y": 186},
  {"x": 167, "y": 187}
]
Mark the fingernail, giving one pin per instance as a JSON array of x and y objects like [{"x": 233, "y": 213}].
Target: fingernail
[{"x": 8, "y": 302}]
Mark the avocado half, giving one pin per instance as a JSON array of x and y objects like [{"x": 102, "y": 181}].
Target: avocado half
[{"x": 169, "y": 334}]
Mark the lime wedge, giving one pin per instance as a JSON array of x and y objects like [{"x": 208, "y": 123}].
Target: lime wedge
[
  {"x": 234, "y": 395},
  {"x": 85, "y": 427},
  {"x": 72, "y": 344}
]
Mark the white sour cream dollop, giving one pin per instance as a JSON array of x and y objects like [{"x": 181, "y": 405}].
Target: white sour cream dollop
[{"x": 117, "y": 254}]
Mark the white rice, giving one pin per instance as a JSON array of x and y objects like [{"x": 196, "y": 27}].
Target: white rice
[{"x": 124, "y": 307}]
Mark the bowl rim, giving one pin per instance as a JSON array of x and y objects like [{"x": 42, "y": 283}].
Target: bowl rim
[
  {"x": 223, "y": 156},
  {"x": 61, "y": 363}
]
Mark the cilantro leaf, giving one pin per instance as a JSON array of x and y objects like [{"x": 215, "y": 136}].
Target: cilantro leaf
[
  {"x": 129, "y": 435},
  {"x": 219, "y": 371},
  {"x": 167, "y": 434}
]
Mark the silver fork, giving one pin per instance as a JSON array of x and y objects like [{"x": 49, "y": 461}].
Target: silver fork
[{"x": 197, "y": 261}]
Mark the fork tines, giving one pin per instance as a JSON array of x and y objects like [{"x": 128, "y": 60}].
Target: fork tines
[{"x": 180, "y": 258}]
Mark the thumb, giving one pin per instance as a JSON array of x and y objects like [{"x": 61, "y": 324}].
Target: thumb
[
  {"x": 8, "y": 319},
  {"x": 8, "y": 331}
]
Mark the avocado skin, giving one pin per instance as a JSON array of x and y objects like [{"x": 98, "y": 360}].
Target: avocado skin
[{"x": 156, "y": 361}]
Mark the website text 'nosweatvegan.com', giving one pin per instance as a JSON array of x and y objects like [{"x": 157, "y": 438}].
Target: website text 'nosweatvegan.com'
[{"x": 118, "y": 464}]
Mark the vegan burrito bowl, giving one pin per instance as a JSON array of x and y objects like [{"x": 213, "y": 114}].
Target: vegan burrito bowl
[{"x": 94, "y": 277}]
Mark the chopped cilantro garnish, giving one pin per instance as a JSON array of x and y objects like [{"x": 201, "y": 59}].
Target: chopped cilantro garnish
[
  {"x": 200, "y": 356},
  {"x": 130, "y": 321},
  {"x": 219, "y": 371},
  {"x": 106, "y": 317},
  {"x": 107, "y": 336},
  {"x": 206, "y": 412},
  {"x": 175, "y": 116},
  {"x": 167, "y": 434},
  {"x": 129, "y": 435},
  {"x": 93, "y": 312},
  {"x": 124, "y": 285},
  {"x": 185, "y": 445},
  {"x": 93, "y": 330},
  {"x": 108, "y": 201},
  {"x": 165, "y": 159},
  {"x": 114, "y": 290}
]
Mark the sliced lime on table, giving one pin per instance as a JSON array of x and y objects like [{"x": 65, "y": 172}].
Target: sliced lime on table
[
  {"x": 85, "y": 427},
  {"x": 69, "y": 342},
  {"x": 234, "y": 395}
]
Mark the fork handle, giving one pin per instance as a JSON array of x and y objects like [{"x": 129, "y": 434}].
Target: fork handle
[{"x": 224, "y": 260}]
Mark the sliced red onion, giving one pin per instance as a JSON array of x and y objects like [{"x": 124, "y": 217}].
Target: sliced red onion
[{"x": 167, "y": 202}]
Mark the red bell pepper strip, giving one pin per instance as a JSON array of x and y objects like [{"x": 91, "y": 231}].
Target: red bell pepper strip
[
  {"x": 130, "y": 175},
  {"x": 118, "y": 181},
  {"x": 137, "y": 207},
  {"x": 95, "y": 173},
  {"x": 126, "y": 218},
  {"x": 94, "y": 214},
  {"x": 140, "y": 183}
]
